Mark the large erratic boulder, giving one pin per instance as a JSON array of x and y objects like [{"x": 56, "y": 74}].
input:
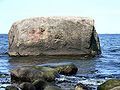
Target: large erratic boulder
[{"x": 54, "y": 36}]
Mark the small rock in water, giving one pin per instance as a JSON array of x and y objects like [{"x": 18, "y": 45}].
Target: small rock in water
[
  {"x": 40, "y": 84},
  {"x": 47, "y": 72},
  {"x": 27, "y": 86},
  {"x": 38, "y": 77},
  {"x": 81, "y": 86},
  {"x": 30, "y": 74},
  {"x": 67, "y": 68},
  {"x": 113, "y": 84},
  {"x": 52, "y": 88},
  {"x": 12, "y": 87}
]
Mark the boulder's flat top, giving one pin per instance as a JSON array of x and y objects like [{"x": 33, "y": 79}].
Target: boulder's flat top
[{"x": 71, "y": 18}]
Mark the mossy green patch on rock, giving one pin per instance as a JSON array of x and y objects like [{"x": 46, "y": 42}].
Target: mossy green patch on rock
[
  {"x": 49, "y": 74},
  {"x": 109, "y": 85},
  {"x": 30, "y": 74},
  {"x": 25, "y": 74},
  {"x": 67, "y": 68}
]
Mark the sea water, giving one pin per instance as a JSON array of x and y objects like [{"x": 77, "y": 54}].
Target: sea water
[{"x": 92, "y": 72}]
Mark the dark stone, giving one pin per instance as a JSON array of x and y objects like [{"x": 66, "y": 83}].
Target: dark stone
[
  {"x": 30, "y": 74},
  {"x": 27, "y": 86},
  {"x": 81, "y": 86},
  {"x": 12, "y": 87},
  {"x": 40, "y": 84},
  {"x": 25, "y": 74}
]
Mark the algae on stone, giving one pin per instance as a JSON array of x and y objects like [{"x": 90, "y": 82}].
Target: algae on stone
[{"x": 109, "y": 85}]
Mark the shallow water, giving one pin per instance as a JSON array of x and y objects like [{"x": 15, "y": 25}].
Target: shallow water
[{"x": 92, "y": 72}]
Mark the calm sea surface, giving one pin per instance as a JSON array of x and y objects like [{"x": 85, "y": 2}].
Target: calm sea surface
[{"x": 92, "y": 72}]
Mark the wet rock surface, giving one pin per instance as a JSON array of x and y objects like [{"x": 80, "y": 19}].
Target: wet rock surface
[
  {"x": 40, "y": 84},
  {"x": 27, "y": 86},
  {"x": 54, "y": 36},
  {"x": 67, "y": 68},
  {"x": 113, "y": 84},
  {"x": 12, "y": 87},
  {"x": 41, "y": 77},
  {"x": 30, "y": 74},
  {"x": 52, "y": 88},
  {"x": 81, "y": 86}
]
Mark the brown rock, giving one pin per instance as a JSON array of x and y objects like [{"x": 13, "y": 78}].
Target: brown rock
[{"x": 54, "y": 36}]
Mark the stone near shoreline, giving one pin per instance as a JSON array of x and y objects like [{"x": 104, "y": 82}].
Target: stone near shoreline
[
  {"x": 66, "y": 68},
  {"x": 81, "y": 86},
  {"x": 112, "y": 84},
  {"x": 12, "y": 87},
  {"x": 30, "y": 74},
  {"x": 43, "y": 85},
  {"x": 37, "y": 85},
  {"x": 27, "y": 86},
  {"x": 54, "y": 36},
  {"x": 52, "y": 88},
  {"x": 40, "y": 84},
  {"x": 46, "y": 72},
  {"x": 41, "y": 77}
]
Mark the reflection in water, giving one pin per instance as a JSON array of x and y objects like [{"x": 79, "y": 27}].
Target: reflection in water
[{"x": 84, "y": 65}]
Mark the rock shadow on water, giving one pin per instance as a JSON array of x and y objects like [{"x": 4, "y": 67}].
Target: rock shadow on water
[{"x": 33, "y": 60}]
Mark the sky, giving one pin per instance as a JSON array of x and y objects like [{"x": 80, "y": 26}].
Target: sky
[{"x": 106, "y": 13}]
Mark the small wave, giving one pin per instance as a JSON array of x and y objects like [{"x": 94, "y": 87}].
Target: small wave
[
  {"x": 115, "y": 50},
  {"x": 3, "y": 53}
]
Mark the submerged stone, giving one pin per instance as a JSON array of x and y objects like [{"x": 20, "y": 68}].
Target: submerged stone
[{"x": 54, "y": 36}]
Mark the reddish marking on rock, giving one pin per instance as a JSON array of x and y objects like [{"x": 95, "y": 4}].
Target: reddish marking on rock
[{"x": 34, "y": 35}]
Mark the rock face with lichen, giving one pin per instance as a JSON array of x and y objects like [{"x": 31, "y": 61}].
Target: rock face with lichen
[{"x": 54, "y": 36}]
